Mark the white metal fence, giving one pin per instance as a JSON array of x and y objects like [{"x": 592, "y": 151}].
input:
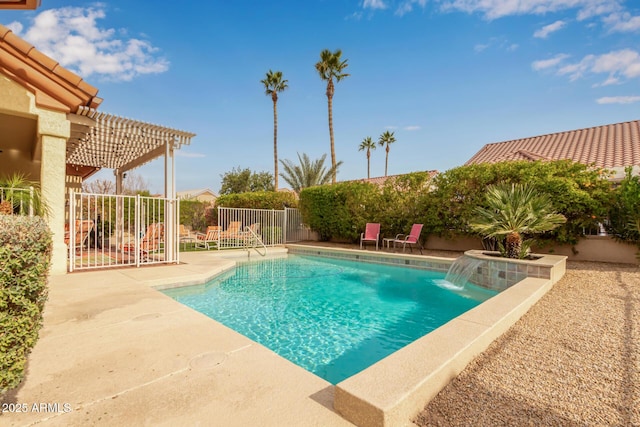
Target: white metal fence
[
  {"x": 104, "y": 231},
  {"x": 273, "y": 227},
  {"x": 19, "y": 200}
]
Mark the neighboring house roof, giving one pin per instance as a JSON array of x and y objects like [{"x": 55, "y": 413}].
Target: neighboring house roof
[
  {"x": 380, "y": 180},
  {"x": 55, "y": 87},
  {"x": 608, "y": 146},
  {"x": 192, "y": 194}
]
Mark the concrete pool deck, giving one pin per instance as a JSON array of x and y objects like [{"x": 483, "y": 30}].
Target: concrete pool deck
[{"x": 119, "y": 352}]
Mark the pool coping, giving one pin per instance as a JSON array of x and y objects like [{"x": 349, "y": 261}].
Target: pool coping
[{"x": 394, "y": 390}]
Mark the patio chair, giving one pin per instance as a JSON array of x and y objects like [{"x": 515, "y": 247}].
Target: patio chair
[
  {"x": 411, "y": 239},
  {"x": 150, "y": 241},
  {"x": 371, "y": 234},
  {"x": 83, "y": 228},
  {"x": 209, "y": 239}
]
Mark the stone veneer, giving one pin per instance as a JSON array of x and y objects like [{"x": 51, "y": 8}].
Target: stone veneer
[
  {"x": 404, "y": 260},
  {"x": 498, "y": 273}
]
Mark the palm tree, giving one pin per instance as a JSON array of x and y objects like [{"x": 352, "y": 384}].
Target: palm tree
[
  {"x": 18, "y": 195},
  {"x": 329, "y": 67},
  {"x": 386, "y": 138},
  {"x": 273, "y": 83},
  {"x": 367, "y": 144},
  {"x": 513, "y": 210},
  {"x": 308, "y": 173}
]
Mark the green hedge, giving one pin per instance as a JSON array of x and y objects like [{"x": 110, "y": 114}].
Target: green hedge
[
  {"x": 258, "y": 200},
  {"x": 25, "y": 251},
  {"x": 340, "y": 211},
  {"x": 445, "y": 204}
]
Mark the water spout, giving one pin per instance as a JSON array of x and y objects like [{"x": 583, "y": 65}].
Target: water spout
[{"x": 461, "y": 271}]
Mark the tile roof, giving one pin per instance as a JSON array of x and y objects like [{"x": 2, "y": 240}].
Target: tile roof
[
  {"x": 608, "y": 146},
  {"x": 55, "y": 86}
]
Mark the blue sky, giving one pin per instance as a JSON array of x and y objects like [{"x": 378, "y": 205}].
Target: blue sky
[{"x": 447, "y": 76}]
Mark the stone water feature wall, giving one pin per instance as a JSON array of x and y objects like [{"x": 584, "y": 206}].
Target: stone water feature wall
[{"x": 501, "y": 273}]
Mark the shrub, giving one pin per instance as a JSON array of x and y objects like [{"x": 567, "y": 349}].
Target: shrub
[
  {"x": 193, "y": 214},
  {"x": 258, "y": 200},
  {"x": 340, "y": 210},
  {"x": 577, "y": 191},
  {"x": 624, "y": 212},
  {"x": 25, "y": 254}
]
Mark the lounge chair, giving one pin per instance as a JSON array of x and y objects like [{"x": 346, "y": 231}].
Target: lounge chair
[
  {"x": 232, "y": 231},
  {"x": 209, "y": 239},
  {"x": 150, "y": 241},
  {"x": 82, "y": 231},
  {"x": 371, "y": 234},
  {"x": 251, "y": 234},
  {"x": 411, "y": 239}
]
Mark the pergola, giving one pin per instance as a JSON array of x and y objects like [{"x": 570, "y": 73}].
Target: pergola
[
  {"x": 101, "y": 140},
  {"x": 51, "y": 131}
]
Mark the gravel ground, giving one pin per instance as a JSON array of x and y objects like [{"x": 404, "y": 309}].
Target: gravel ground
[{"x": 572, "y": 360}]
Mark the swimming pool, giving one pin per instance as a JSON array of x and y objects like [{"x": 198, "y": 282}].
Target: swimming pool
[{"x": 332, "y": 317}]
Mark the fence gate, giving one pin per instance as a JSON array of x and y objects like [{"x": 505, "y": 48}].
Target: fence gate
[{"x": 103, "y": 230}]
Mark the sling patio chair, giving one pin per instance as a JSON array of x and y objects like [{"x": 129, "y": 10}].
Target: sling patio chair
[
  {"x": 411, "y": 239},
  {"x": 83, "y": 228},
  {"x": 150, "y": 241},
  {"x": 209, "y": 239},
  {"x": 371, "y": 234}
]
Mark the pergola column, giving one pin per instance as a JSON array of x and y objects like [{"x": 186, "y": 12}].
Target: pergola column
[{"x": 53, "y": 132}]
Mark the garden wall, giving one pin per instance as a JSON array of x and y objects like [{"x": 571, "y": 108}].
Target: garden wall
[{"x": 589, "y": 248}]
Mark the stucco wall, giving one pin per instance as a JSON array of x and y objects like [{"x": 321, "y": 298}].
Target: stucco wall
[{"x": 590, "y": 248}]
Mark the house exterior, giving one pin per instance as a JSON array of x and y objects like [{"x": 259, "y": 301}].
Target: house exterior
[
  {"x": 199, "y": 194},
  {"x": 614, "y": 147},
  {"x": 52, "y": 133}
]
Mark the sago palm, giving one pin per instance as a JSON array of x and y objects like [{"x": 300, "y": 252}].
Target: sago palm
[
  {"x": 273, "y": 83},
  {"x": 387, "y": 138},
  {"x": 514, "y": 210},
  {"x": 367, "y": 144},
  {"x": 331, "y": 67},
  {"x": 308, "y": 173}
]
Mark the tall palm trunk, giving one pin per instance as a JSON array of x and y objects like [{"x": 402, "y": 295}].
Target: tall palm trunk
[
  {"x": 368, "y": 164},
  {"x": 274, "y": 96},
  {"x": 386, "y": 161},
  {"x": 330, "y": 90}
]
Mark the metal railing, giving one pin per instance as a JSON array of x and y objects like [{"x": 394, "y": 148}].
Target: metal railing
[
  {"x": 273, "y": 227},
  {"x": 17, "y": 200},
  {"x": 104, "y": 231},
  {"x": 252, "y": 241}
]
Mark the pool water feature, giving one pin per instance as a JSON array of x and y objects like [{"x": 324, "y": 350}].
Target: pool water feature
[{"x": 332, "y": 317}]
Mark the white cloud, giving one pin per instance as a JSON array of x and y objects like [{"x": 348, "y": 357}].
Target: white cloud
[
  {"x": 412, "y": 128},
  {"x": 493, "y": 9},
  {"x": 406, "y": 6},
  {"x": 618, "y": 99},
  {"x": 481, "y": 47},
  {"x": 391, "y": 127},
  {"x": 15, "y": 26},
  {"x": 622, "y": 22},
  {"x": 374, "y": 4},
  {"x": 549, "y": 63},
  {"x": 618, "y": 65},
  {"x": 71, "y": 36},
  {"x": 544, "y": 32}
]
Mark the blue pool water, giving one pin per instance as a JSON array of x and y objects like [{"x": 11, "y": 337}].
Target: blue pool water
[{"x": 332, "y": 317}]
